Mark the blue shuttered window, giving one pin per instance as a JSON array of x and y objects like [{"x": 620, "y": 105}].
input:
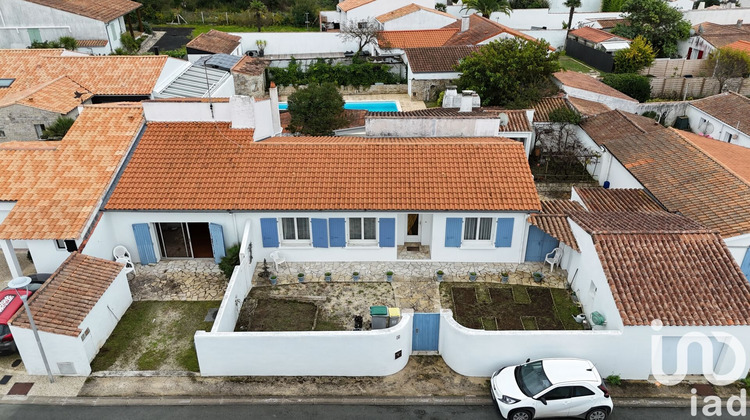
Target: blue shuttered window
[
  {"x": 746, "y": 264},
  {"x": 319, "y": 233},
  {"x": 387, "y": 232},
  {"x": 144, "y": 243},
  {"x": 269, "y": 232},
  {"x": 337, "y": 232},
  {"x": 453, "y": 232},
  {"x": 504, "y": 234},
  {"x": 217, "y": 241}
]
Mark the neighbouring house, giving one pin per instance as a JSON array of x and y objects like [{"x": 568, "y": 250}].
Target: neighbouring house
[
  {"x": 595, "y": 47},
  {"x": 579, "y": 85},
  {"x": 740, "y": 45},
  {"x": 213, "y": 42},
  {"x": 608, "y": 24},
  {"x": 75, "y": 312},
  {"x": 363, "y": 11},
  {"x": 709, "y": 36},
  {"x": 249, "y": 76},
  {"x": 723, "y": 117},
  {"x": 414, "y": 16},
  {"x": 431, "y": 69},
  {"x": 703, "y": 179},
  {"x": 207, "y": 76},
  {"x": 96, "y": 25},
  {"x": 50, "y": 192}
]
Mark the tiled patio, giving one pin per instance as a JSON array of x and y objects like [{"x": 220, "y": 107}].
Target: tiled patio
[{"x": 178, "y": 280}]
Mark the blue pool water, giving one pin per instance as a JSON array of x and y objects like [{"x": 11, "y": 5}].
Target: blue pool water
[{"x": 375, "y": 106}]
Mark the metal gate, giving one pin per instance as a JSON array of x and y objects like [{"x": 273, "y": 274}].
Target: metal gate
[{"x": 426, "y": 332}]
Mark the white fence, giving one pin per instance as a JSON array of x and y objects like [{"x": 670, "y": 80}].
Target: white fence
[{"x": 237, "y": 289}]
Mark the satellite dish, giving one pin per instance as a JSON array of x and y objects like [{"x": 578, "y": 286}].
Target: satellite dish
[
  {"x": 709, "y": 128},
  {"x": 503, "y": 119},
  {"x": 735, "y": 136}
]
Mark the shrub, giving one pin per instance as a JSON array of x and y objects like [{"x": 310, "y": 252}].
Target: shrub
[
  {"x": 634, "y": 85},
  {"x": 614, "y": 380},
  {"x": 231, "y": 260},
  {"x": 316, "y": 110},
  {"x": 564, "y": 114},
  {"x": 358, "y": 73},
  {"x": 440, "y": 7},
  {"x": 129, "y": 43},
  {"x": 178, "y": 53},
  {"x": 58, "y": 129},
  {"x": 635, "y": 58}
]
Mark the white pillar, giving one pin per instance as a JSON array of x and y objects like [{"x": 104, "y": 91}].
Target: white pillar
[{"x": 10, "y": 258}]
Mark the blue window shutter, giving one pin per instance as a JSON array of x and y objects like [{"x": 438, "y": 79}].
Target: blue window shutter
[
  {"x": 144, "y": 243},
  {"x": 337, "y": 232},
  {"x": 387, "y": 232},
  {"x": 453, "y": 232},
  {"x": 269, "y": 232},
  {"x": 319, "y": 233},
  {"x": 217, "y": 241},
  {"x": 746, "y": 264},
  {"x": 504, "y": 234}
]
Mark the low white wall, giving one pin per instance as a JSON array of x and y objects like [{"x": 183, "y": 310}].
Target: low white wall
[
  {"x": 315, "y": 353},
  {"x": 526, "y": 18},
  {"x": 720, "y": 16},
  {"x": 296, "y": 42},
  {"x": 237, "y": 289}
]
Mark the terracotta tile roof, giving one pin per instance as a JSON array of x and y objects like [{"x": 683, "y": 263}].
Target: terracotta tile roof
[
  {"x": 734, "y": 158},
  {"x": 481, "y": 29},
  {"x": 611, "y": 23},
  {"x": 69, "y": 295},
  {"x": 57, "y": 96},
  {"x": 517, "y": 121},
  {"x": 730, "y": 108},
  {"x": 564, "y": 207},
  {"x": 348, "y": 5},
  {"x": 57, "y": 190},
  {"x": 588, "y": 108},
  {"x": 205, "y": 166},
  {"x": 595, "y": 35},
  {"x": 437, "y": 59},
  {"x": 216, "y": 42},
  {"x": 618, "y": 199},
  {"x": 681, "y": 278},
  {"x": 678, "y": 174},
  {"x": 547, "y": 105},
  {"x": 635, "y": 222},
  {"x": 101, "y": 75},
  {"x": 104, "y": 11},
  {"x": 407, "y": 10},
  {"x": 88, "y": 43},
  {"x": 721, "y": 35},
  {"x": 740, "y": 46},
  {"x": 252, "y": 66},
  {"x": 556, "y": 226},
  {"x": 414, "y": 39},
  {"x": 582, "y": 81}
]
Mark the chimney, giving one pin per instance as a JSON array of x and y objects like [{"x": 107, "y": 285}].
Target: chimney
[
  {"x": 273, "y": 92},
  {"x": 449, "y": 98},
  {"x": 464, "y": 23},
  {"x": 466, "y": 97},
  {"x": 739, "y": 23},
  {"x": 242, "y": 111}
]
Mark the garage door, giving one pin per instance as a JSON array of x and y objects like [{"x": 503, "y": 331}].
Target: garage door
[{"x": 695, "y": 354}]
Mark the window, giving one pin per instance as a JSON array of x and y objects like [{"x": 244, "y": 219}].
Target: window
[
  {"x": 362, "y": 229},
  {"x": 295, "y": 228},
  {"x": 2, "y": 134},
  {"x": 60, "y": 244},
  {"x": 560, "y": 393},
  {"x": 580, "y": 391},
  {"x": 362, "y": 25},
  {"x": 4, "y": 83},
  {"x": 477, "y": 228},
  {"x": 39, "y": 128}
]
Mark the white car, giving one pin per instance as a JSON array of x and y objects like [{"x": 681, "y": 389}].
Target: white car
[{"x": 551, "y": 388}]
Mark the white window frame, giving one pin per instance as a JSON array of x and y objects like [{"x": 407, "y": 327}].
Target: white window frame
[
  {"x": 478, "y": 243},
  {"x": 294, "y": 242},
  {"x": 60, "y": 245},
  {"x": 362, "y": 242}
]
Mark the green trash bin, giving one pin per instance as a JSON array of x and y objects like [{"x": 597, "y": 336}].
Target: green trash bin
[{"x": 379, "y": 316}]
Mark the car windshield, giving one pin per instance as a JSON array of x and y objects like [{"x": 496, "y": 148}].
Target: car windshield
[{"x": 531, "y": 378}]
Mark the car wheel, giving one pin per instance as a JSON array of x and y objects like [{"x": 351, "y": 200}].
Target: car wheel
[
  {"x": 520, "y": 415},
  {"x": 597, "y": 414}
]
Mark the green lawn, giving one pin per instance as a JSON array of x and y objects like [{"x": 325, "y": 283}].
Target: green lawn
[{"x": 571, "y": 64}]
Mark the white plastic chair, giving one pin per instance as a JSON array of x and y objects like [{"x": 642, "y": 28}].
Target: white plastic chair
[
  {"x": 121, "y": 252},
  {"x": 553, "y": 258},
  {"x": 277, "y": 260},
  {"x": 129, "y": 266}
]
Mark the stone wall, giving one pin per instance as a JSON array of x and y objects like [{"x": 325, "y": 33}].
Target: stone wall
[
  {"x": 17, "y": 121},
  {"x": 428, "y": 90},
  {"x": 355, "y": 90},
  {"x": 245, "y": 84}
]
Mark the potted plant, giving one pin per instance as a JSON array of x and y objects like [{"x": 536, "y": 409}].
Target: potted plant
[
  {"x": 504, "y": 276},
  {"x": 389, "y": 276},
  {"x": 355, "y": 276},
  {"x": 537, "y": 276},
  {"x": 301, "y": 277},
  {"x": 273, "y": 279},
  {"x": 261, "y": 44},
  {"x": 439, "y": 275},
  {"x": 472, "y": 276},
  {"x": 328, "y": 276}
]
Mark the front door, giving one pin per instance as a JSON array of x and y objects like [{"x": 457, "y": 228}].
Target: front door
[
  {"x": 413, "y": 232},
  {"x": 184, "y": 240}
]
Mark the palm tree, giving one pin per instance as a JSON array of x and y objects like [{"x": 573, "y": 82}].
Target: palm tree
[
  {"x": 258, "y": 9},
  {"x": 572, "y": 4},
  {"x": 486, "y": 7}
]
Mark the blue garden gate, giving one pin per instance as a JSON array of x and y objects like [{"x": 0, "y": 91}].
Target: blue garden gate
[
  {"x": 539, "y": 244},
  {"x": 426, "y": 332}
]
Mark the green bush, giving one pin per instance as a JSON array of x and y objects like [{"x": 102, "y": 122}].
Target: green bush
[
  {"x": 129, "y": 43},
  {"x": 358, "y": 73},
  {"x": 634, "y": 85},
  {"x": 68, "y": 42},
  {"x": 231, "y": 260},
  {"x": 179, "y": 53},
  {"x": 614, "y": 380},
  {"x": 564, "y": 114},
  {"x": 58, "y": 129}
]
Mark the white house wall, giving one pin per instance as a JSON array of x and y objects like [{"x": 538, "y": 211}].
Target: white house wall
[
  {"x": 437, "y": 127},
  {"x": 721, "y": 129},
  {"x": 485, "y": 253},
  {"x": 554, "y": 37},
  {"x": 420, "y": 19},
  {"x": 298, "y": 43},
  {"x": 104, "y": 316},
  {"x": 378, "y": 7},
  {"x": 738, "y": 247},
  {"x": 47, "y": 257},
  {"x": 610, "y": 101},
  {"x": 728, "y": 16},
  {"x": 608, "y": 168},
  {"x": 538, "y": 18},
  {"x": 58, "y": 349}
]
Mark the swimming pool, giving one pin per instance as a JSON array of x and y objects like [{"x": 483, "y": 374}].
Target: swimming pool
[{"x": 375, "y": 106}]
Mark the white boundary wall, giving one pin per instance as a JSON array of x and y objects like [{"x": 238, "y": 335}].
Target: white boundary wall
[
  {"x": 237, "y": 289},
  {"x": 296, "y": 42}
]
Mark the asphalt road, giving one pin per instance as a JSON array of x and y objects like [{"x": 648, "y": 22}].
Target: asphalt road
[{"x": 299, "y": 411}]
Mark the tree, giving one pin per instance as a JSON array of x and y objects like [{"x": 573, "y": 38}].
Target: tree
[
  {"x": 58, "y": 129},
  {"x": 303, "y": 11},
  {"x": 316, "y": 110},
  {"x": 634, "y": 85},
  {"x": 486, "y": 7},
  {"x": 659, "y": 23},
  {"x": 441, "y": 7},
  {"x": 509, "y": 72},
  {"x": 635, "y": 58},
  {"x": 727, "y": 63},
  {"x": 257, "y": 9},
  {"x": 572, "y": 4},
  {"x": 363, "y": 33}
]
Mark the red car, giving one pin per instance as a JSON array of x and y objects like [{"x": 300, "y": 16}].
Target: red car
[{"x": 10, "y": 302}]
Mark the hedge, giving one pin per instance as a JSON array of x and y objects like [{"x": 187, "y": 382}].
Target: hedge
[{"x": 358, "y": 73}]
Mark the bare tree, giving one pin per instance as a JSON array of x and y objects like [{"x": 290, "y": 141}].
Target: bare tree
[
  {"x": 563, "y": 155},
  {"x": 363, "y": 32}
]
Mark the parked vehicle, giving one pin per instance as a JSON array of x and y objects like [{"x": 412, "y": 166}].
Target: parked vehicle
[
  {"x": 551, "y": 388},
  {"x": 10, "y": 302}
]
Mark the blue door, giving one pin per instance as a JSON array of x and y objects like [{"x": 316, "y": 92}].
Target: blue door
[
  {"x": 539, "y": 244},
  {"x": 426, "y": 332}
]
